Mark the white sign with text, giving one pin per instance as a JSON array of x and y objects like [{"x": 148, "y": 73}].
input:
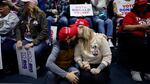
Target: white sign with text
[
  {"x": 80, "y": 10},
  {"x": 1, "y": 63},
  {"x": 26, "y": 62},
  {"x": 53, "y": 33}
]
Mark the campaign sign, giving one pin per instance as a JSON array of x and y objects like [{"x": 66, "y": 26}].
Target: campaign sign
[
  {"x": 79, "y": 10},
  {"x": 53, "y": 33},
  {"x": 26, "y": 62},
  {"x": 1, "y": 64}
]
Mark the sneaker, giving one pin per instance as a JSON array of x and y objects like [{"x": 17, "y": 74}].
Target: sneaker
[
  {"x": 136, "y": 76},
  {"x": 110, "y": 43},
  {"x": 147, "y": 76}
]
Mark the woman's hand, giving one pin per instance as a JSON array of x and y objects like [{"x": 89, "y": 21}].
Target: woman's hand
[
  {"x": 86, "y": 65},
  {"x": 29, "y": 45},
  {"x": 95, "y": 71},
  {"x": 19, "y": 44}
]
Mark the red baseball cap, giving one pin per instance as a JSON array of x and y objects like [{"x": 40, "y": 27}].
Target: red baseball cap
[
  {"x": 82, "y": 22},
  {"x": 140, "y": 2},
  {"x": 66, "y": 32}
]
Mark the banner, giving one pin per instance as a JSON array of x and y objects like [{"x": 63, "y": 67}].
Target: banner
[
  {"x": 80, "y": 10},
  {"x": 53, "y": 33},
  {"x": 1, "y": 64},
  {"x": 26, "y": 62},
  {"x": 124, "y": 7}
]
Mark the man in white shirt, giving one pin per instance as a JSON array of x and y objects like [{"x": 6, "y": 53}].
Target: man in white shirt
[{"x": 8, "y": 21}]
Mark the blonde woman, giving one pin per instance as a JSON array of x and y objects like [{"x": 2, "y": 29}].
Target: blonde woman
[
  {"x": 93, "y": 55},
  {"x": 32, "y": 30}
]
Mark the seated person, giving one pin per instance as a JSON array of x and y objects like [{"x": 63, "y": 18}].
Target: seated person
[
  {"x": 93, "y": 56},
  {"x": 101, "y": 19},
  {"x": 8, "y": 21},
  {"x": 32, "y": 30},
  {"x": 60, "y": 62}
]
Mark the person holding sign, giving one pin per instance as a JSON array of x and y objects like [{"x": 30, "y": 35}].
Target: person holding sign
[
  {"x": 8, "y": 21},
  {"x": 32, "y": 30},
  {"x": 134, "y": 41},
  {"x": 60, "y": 63}
]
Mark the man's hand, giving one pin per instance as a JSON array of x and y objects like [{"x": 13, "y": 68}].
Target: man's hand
[{"x": 72, "y": 77}]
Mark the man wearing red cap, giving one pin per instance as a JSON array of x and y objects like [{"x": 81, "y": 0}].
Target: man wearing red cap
[
  {"x": 60, "y": 62},
  {"x": 67, "y": 33},
  {"x": 134, "y": 40},
  {"x": 82, "y": 22}
]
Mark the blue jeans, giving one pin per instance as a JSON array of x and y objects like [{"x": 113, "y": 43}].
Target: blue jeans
[
  {"x": 101, "y": 25},
  {"x": 9, "y": 57},
  {"x": 52, "y": 78}
]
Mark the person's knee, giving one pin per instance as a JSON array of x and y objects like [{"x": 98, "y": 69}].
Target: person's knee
[
  {"x": 73, "y": 69},
  {"x": 50, "y": 75},
  {"x": 109, "y": 21},
  {"x": 63, "y": 21},
  {"x": 49, "y": 18},
  {"x": 101, "y": 22}
]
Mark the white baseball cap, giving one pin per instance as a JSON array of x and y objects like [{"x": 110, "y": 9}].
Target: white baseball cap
[{"x": 32, "y": 1}]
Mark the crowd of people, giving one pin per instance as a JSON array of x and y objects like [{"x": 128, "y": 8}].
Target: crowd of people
[{"x": 82, "y": 53}]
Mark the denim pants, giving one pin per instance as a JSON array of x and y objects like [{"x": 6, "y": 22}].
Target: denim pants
[
  {"x": 101, "y": 25},
  {"x": 9, "y": 57},
  {"x": 52, "y": 78}
]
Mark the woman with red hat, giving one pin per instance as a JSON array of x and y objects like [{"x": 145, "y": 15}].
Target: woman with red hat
[{"x": 134, "y": 40}]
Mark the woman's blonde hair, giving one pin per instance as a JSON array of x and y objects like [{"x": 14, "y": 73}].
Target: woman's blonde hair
[
  {"x": 32, "y": 11},
  {"x": 86, "y": 36}
]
